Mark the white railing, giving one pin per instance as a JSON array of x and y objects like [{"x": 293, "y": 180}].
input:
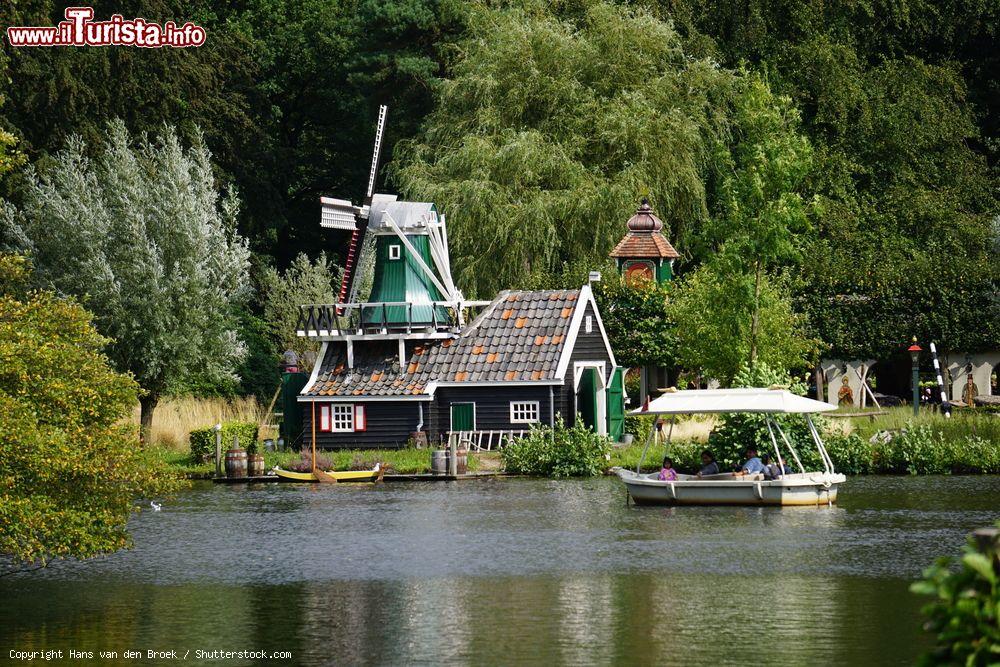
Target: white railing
[{"x": 484, "y": 441}]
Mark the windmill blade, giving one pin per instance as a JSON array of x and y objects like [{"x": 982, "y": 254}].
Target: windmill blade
[
  {"x": 379, "y": 130},
  {"x": 364, "y": 270},
  {"x": 338, "y": 214}
]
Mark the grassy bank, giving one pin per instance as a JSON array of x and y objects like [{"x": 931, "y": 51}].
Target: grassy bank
[
  {"x": 962, "y": 424},
  {"x": 968, "y": 442}
]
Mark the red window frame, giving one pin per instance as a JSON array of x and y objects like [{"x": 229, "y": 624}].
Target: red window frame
[{"x": 325, "y": 424}]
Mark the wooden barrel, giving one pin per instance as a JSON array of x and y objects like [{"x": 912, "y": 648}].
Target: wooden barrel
[
  {"x": 255, "y": 465},
  {"x": 439, "y": 461},
  {"x": 236, "y": 463}
]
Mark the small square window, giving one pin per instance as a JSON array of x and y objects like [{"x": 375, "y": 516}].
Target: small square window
[
  {"x": 343, "y": 417},
  {"x": 524, "y": 412},
  {"x": 395, "y": 252}
]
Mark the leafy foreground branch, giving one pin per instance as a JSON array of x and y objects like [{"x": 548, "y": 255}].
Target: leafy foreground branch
[
  {"x": 966, "y": 615},
  {"x": 69, "y": 471}
]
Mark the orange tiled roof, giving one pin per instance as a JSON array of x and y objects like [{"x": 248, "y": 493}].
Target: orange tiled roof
[
  {"x": 519, "y": 337},
  {"x": 645, "y": 245}
]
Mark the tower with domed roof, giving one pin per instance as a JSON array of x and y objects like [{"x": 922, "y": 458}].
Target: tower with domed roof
[{"x": 645, "y": 253}]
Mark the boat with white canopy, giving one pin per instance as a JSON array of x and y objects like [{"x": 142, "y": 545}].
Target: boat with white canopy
[{"x": 796, "y": 488}]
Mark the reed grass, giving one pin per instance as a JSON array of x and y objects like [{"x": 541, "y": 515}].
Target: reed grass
[
  {"x": 175, "y": 418},
  {"x": 962, "y": 423}
]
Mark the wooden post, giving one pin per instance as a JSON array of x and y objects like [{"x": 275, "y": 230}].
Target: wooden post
[
  {"x": 820, "y": 394},
  {"x": 218, "y": 450},
  {"x": 314, "y": 434},
  {"x": 452, "y": 459}
]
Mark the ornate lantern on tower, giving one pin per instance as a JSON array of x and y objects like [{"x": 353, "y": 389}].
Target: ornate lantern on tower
[{"x": 644, "y": 253}]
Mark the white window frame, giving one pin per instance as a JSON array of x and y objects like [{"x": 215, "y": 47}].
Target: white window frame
[
  {"x": 395, "y": 251},
  {"x": 589, "y": 324},
  {"x": 520, "y": 412},
  {"x": 341, "y": 417}
]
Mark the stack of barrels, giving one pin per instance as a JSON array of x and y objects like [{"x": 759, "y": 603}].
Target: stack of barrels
[{"x": 239, "y": 464}]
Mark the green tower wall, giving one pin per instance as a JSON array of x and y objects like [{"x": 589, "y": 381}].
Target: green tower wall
[{"x": 402, "y": 280}]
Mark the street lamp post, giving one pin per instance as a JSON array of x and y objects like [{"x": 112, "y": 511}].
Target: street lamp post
[{"x": 915, "y": 351}]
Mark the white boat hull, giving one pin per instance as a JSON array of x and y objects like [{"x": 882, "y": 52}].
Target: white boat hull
[{"x": 795, "y": 489}]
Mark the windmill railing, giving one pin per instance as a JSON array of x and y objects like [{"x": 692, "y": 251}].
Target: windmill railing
[{"x": 386, "y": 317}]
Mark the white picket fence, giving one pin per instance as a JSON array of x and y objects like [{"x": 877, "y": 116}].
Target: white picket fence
[{"x": 484, "y": 441}]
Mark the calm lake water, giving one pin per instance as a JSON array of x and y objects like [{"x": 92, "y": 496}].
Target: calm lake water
[{"x": 508, "y": 571}]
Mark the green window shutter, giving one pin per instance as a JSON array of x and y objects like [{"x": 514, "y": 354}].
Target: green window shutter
[
  {"x": 463, "y": 416},
  {"x": 616, "y": 404}
]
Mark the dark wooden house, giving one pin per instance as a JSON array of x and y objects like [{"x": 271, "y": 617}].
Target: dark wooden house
[
  {"x": 527, "y": 358},
  {"x": 414, "y": 360}
]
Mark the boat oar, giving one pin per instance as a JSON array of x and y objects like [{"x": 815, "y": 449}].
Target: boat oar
[{"x": 324, "y": 477}]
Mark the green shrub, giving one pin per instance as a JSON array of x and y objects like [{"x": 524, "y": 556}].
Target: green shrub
[
  {"x": 974, "y": 454},
  {"x": 203, "y": 439},
  {"x": 850, "y": 454},
  {"x": 639, "y": 425},
  {"x": 918, "y": 450},
  {"x": 558, "y": 451},
  {"x": 965, "y": 617}
]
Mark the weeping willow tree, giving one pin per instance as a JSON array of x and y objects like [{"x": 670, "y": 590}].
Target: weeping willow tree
[{"x": 549, "y": 128}]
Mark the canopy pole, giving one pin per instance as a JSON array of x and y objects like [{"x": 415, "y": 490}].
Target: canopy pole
[
  {"x": 788, "y": 444},
  {"x": 652, "y": 434},
  {"x": 774, "y": 442},
  {"x": 827, "y": 463}
]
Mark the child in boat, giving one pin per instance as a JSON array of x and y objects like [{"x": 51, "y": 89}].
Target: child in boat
[
  {"x": 667, "y": 472},
  {"x": 771, "y": 470}
]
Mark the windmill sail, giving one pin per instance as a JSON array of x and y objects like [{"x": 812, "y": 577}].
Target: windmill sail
[{"x": 342, "y": 214}]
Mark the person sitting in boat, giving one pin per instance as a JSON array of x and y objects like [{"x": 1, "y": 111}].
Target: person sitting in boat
[
  {"x": 753, "y": 464},
  {"x": 667, "y": 472},
  {"x": 773, "y": 470},
  {"x": 708, "y": 464}
]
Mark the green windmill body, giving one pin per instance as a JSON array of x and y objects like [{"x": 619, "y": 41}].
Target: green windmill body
[{"x": 398, "y": 277}]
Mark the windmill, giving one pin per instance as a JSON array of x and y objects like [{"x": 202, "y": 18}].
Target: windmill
[{"x": 406, "y": 246}]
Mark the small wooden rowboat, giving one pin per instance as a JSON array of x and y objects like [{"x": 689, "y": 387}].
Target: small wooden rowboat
[{"x": 340, "y": 475}]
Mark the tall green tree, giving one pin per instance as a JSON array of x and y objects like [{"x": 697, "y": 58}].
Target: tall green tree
[
  {"x": 638, "y": 321},
  {"x": 762, "y": 218},
  {"x": 70, "y": 468},
  {"x": 304, "y": 282},
  {"x": 723, "y": 319},
  {"x": 141, "y": 235},
  {"x": 549, "y": 125},
  {"x": 903, "y": 126}
]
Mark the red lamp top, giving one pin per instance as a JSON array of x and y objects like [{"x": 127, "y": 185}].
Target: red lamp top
[{"x": 914, "y": 348}]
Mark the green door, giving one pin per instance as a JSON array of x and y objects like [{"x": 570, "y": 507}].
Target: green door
[
  {"x": 616, "y": 404},
  {"x": 291, "y": 409},
  {"x": 586, "y": 398},
  {"x": 463, "y": 416}
]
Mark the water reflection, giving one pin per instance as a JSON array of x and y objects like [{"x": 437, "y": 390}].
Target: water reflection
[{"x": 508, "y": 571}]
